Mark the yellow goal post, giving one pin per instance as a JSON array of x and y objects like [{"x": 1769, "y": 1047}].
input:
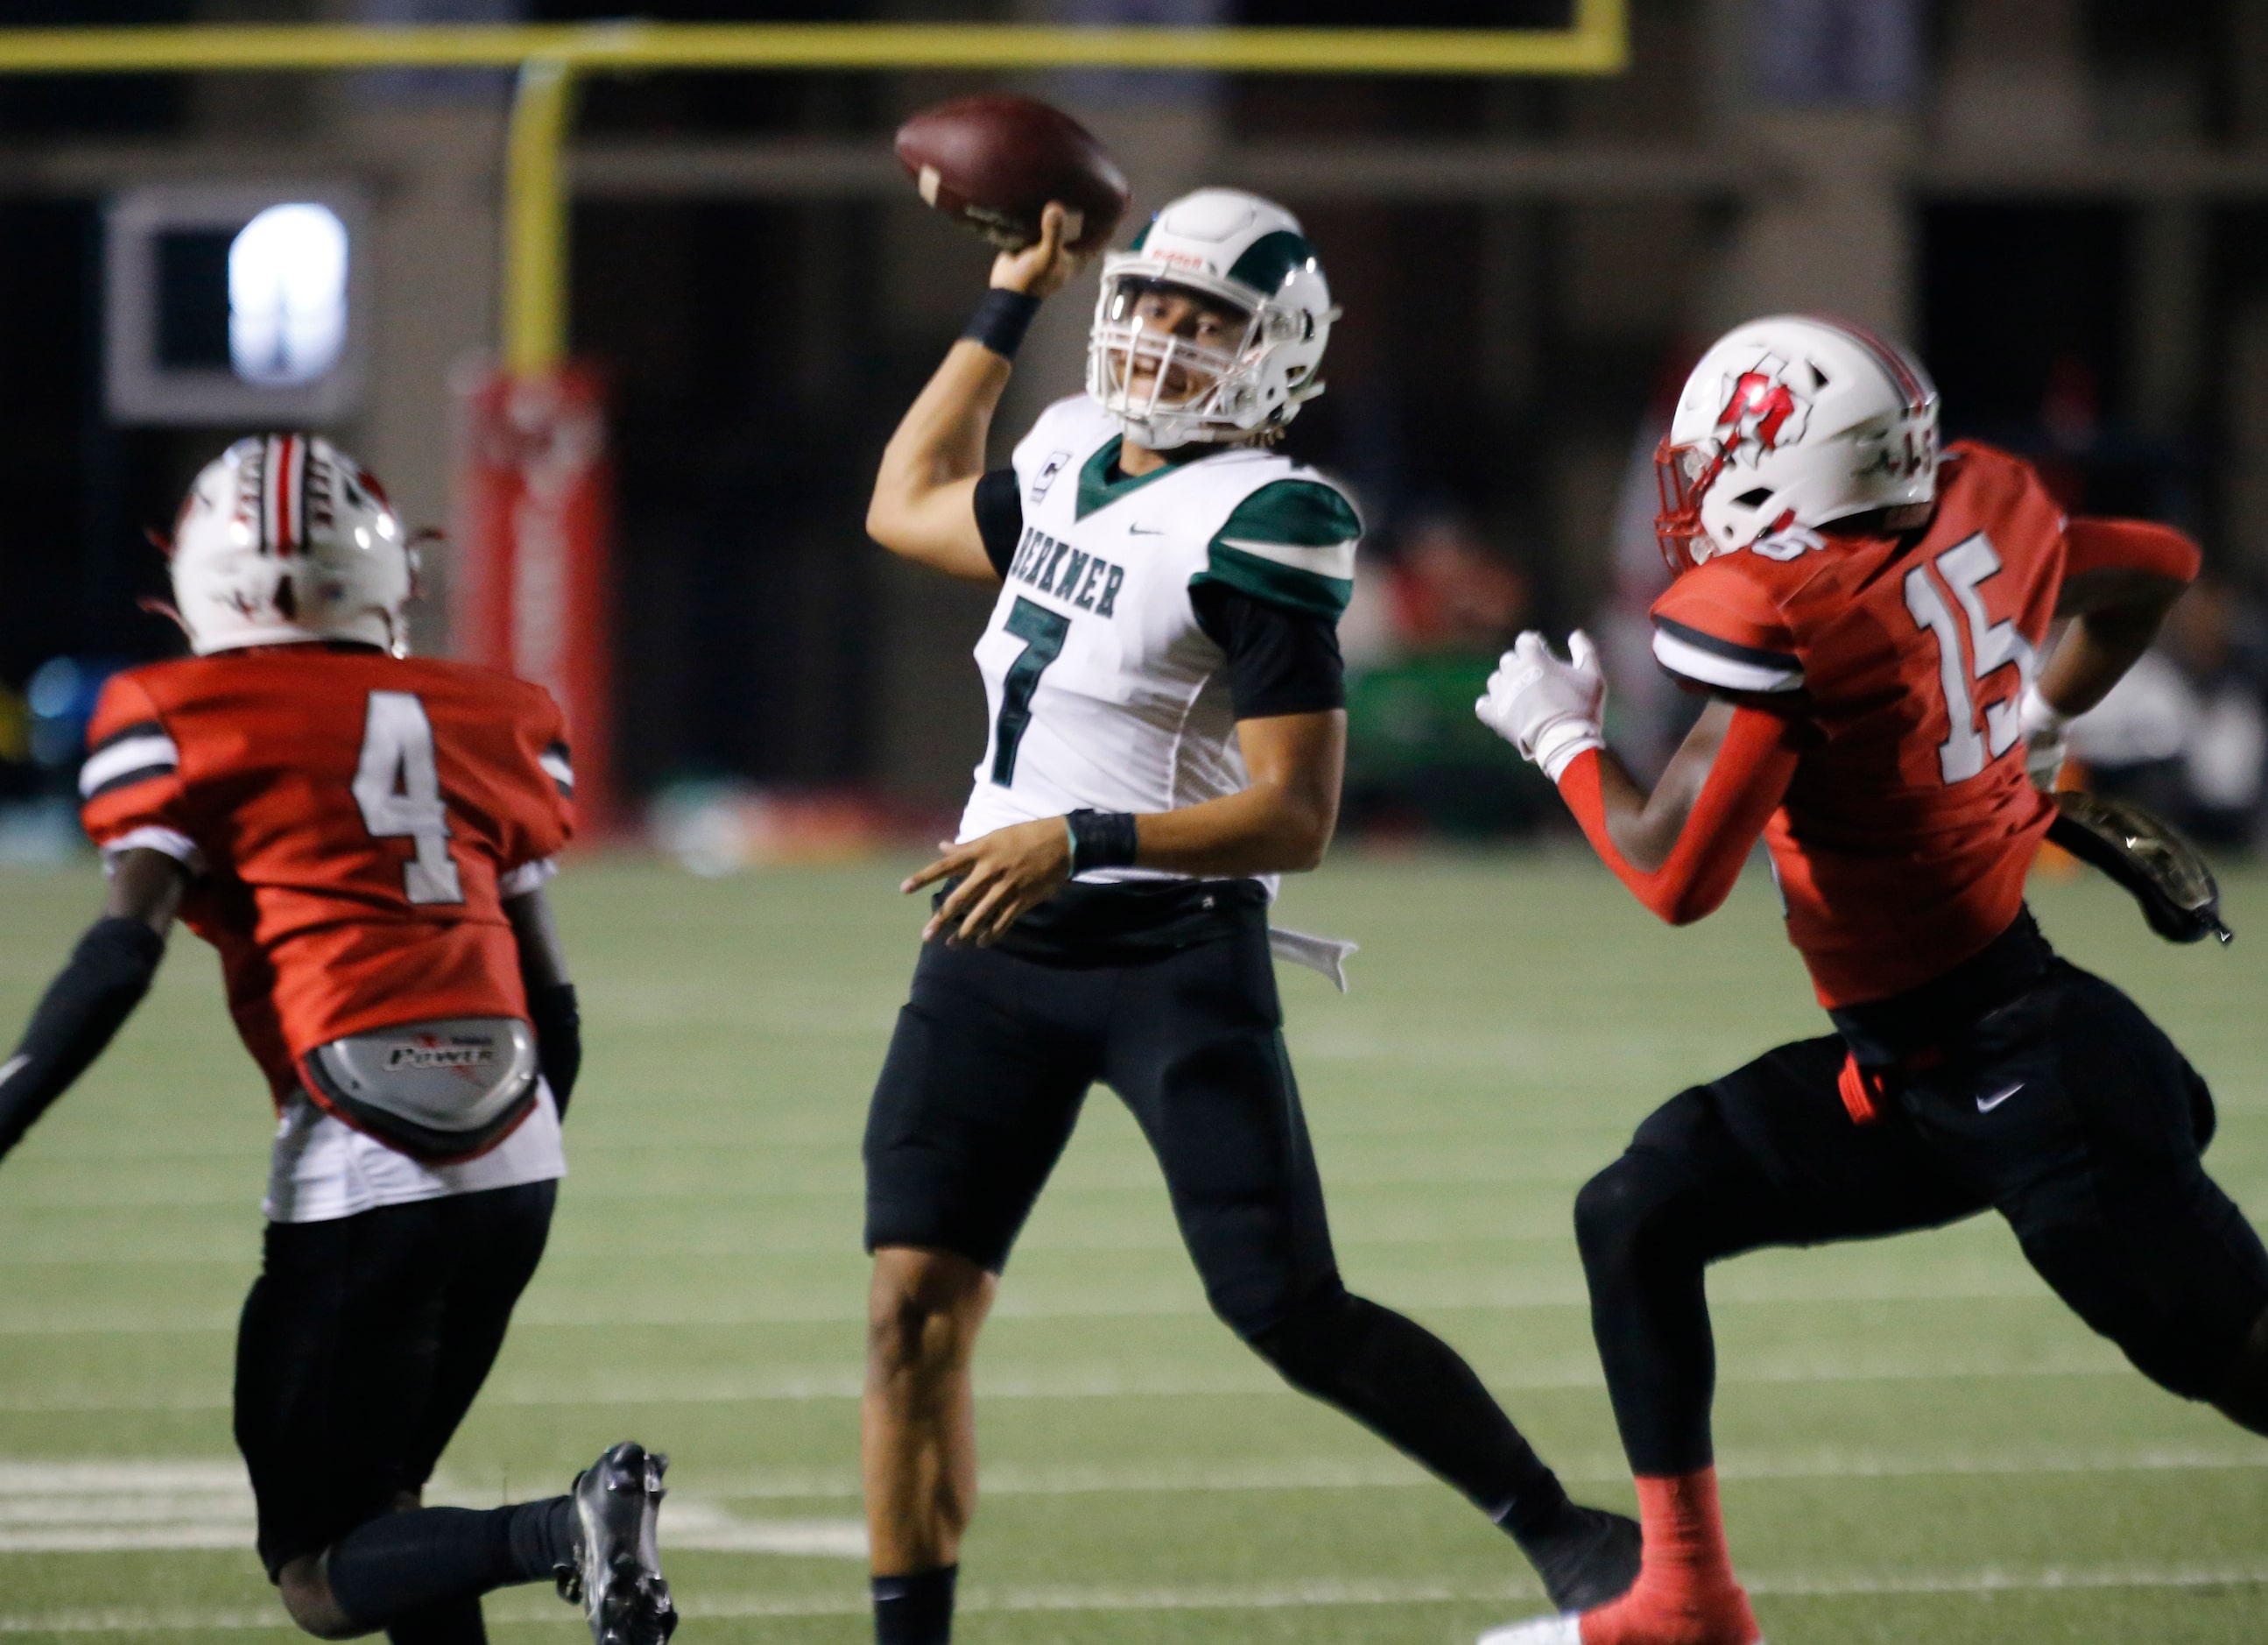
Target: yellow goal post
[{"x": 549, "y": 58}]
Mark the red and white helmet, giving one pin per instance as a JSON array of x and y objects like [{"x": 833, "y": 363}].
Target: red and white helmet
[
  {"x": 1791, "y": 421},
  {"x": 283, "y": 538}
]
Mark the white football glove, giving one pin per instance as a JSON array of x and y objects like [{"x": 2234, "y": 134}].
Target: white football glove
[
  {"x": 2047, "y": 738},
  {"x": 1548, "y": 709}
]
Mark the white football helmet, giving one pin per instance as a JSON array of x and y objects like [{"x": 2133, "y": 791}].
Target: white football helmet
[
  {"x": 1237, "y": 252},
  {"x": 283, "y": 538},
  {"x": 1794, "y": 420}
]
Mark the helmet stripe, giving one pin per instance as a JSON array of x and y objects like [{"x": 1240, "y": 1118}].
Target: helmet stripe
[
  {"x": 1269, "y": 260},
  {"x": 285, "y": 497},
  {"x": 1901, "y": 368}
]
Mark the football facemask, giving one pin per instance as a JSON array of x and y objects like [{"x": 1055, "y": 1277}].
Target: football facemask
[
  {"x": 1792, "y": 421},
  {"x": 1211, "y": 326},
  {"x": 1164, "y": 347},
  {"x": 284, "y": 539}
]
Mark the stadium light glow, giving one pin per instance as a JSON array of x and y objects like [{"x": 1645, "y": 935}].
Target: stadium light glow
[{"x": 287, "y": 295}]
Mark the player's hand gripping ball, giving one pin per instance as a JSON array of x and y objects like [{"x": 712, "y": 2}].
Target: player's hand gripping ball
[
  {"x": 1044, "y": 267},
  {"x": 1548, "y": 707},
  {"x": 994, "y": 162}
]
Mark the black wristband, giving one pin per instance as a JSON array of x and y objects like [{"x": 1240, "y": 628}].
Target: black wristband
[
  {"x": 1101, "y": 839},
  {"x": 1001, "y": 320}
]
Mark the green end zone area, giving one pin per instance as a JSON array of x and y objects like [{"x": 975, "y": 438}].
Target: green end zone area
[{"x": 1917, "y": 1443}]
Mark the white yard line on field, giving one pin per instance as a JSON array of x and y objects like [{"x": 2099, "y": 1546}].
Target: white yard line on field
[
  {"x": 523, "y": 1608},
  {"x": 143, "y": 1504},
  {"x": 110, "y": 1506}
]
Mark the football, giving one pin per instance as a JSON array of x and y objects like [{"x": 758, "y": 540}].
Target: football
[{"x": 994, "y": 162}]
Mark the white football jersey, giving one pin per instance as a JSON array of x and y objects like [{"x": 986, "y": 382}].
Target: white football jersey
[{"x": 1103, "y": 690}]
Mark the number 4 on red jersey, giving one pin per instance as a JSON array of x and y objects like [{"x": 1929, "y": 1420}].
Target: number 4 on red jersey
[{"x": 354, "y": 821}]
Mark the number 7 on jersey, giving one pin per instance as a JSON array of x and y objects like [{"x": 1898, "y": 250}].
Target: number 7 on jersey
[{"x": 1044, "y": 633}]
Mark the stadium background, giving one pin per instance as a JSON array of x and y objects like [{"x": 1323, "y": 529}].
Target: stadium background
[{"x": 2064, "y": 202}]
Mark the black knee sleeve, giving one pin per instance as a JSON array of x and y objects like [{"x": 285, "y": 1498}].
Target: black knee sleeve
[
  {"x": 1643, "y": 1210},
  {"x": 1684, "y": 1189},
  {"x": 1612, "y": 1210},
  {"x": 1308, "y": 1345}
]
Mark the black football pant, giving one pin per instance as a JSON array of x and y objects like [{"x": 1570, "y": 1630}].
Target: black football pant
[
  {"x": 2066, "y": 1111},
  {"x": 362, "y": 1345},
  {"x": 985, "y": 1077}
]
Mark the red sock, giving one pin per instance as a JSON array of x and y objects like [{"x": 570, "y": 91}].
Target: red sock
[{"x": 1685, "y": 1593}]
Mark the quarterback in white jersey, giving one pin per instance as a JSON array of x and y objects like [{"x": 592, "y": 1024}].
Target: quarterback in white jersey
[
  {"x": 1168, "y": 733},
  {"x": 1106, "y": 682}
]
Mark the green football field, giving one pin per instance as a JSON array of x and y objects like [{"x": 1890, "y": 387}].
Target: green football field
[{"x": 1917, "y": 1443}]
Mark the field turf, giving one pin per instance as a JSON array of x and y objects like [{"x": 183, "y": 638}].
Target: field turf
[{"x": 1917, "y": 1443}]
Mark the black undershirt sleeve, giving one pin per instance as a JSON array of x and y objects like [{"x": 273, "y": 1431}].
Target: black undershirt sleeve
[
  {"x": 999, "y": 517},
  {"x": 559, "y": 1022},
  {"x": 108, "y": 973},
  {"x": 1279, "y": 661}
]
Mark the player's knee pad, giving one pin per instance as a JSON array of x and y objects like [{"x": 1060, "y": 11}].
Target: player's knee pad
[
  {"x": 1651, "y": 1201},
  {"x": 1311, "y": 1346},
  {"x": 1628, "y": 1209}
]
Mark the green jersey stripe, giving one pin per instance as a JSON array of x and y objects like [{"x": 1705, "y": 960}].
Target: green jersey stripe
[{"x": 1284, "y": 585}]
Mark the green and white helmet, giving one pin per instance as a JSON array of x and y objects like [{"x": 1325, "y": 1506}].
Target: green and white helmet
[{"x": 1237, "y": 252}]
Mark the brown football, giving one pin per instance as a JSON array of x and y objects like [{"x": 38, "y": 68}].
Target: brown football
[{"x": 994, "y": 162}]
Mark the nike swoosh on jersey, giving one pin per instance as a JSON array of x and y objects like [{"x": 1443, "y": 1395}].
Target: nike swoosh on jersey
[
  {"x": 1986, "y": 1104},
  {"x": 1146, "y": 531}
]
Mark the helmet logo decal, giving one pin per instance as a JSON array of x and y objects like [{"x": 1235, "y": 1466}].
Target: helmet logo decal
[{"x": 1761, "y": 410}]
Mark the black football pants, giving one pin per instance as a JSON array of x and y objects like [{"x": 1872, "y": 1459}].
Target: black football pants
[
  {"x": 991, "y": 1062},
  {"x": 362, "y": 1345},
  {"x": 2067, "y": 1111},
  {"x": 985, "y": 1076}
]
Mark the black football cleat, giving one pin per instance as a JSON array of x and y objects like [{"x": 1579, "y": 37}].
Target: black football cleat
[
  {"x": 1588, "y": 1558},
  {"x": 616, "y": 1576}
]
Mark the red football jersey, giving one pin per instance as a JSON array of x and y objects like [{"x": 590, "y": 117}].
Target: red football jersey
[
  {"x": 1903, "y": 839},
  {"x": 349, "y": 816}
]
